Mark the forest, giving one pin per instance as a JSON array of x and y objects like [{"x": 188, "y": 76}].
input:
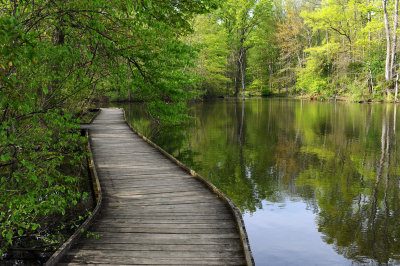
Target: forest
[
  {"x": 321, "y": 49},
  {"x": 59, "y": 58}
]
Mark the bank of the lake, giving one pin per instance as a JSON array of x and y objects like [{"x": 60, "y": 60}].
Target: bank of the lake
[{"x": 316, "y": 181}]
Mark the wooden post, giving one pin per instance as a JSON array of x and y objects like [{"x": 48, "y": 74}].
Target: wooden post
[{"x": 396, "y": 87}]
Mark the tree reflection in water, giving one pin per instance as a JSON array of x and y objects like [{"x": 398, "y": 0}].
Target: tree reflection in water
[{"x": 339, "y": 158}]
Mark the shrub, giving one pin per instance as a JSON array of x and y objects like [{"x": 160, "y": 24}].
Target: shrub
[{"x": 266, "y": 92}]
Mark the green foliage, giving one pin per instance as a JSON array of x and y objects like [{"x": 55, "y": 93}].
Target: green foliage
[
  {"x": 358, "y": 91},
  {"x": 266, "y": 92},
  {"x": 314, "y": 78},
  {"x": 376, "y": 61},
  {"x": 38, "y": 137},
  {"x": 209, "y": 38},
  {"x": 310, "y": 83}
]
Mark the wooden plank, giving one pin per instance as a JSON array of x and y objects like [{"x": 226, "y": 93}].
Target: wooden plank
[
  {"x": 233, "y": 246},
  {"x": 124, "y": 219},
  {"x": 129, "y": 229},
  {"x": 149, "y": 185},
  {"x": 140, "y": 172},
  {"x": 167, "y": 192},
  {"x": 153, "y": 261},
  {"x": 167, "y": 236},
  {"x": 198, "y": 225},
  {"x": 171, "y": 209},
  {"x": 156, "y": 181},
  {"x": 161, "y": 203},
  {"x": 165, "y": 197},
  {"x": 171, "y": 254},
  {"x": 116, "y": 194},
  {"x": 172, "y": 218}
]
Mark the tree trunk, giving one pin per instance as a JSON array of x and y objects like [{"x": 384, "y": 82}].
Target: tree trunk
[
  {"x": 387, "y": 31},
  {"x": 242, "y": 62},
  {"x": 270, "y": 76},
  {"x": 396, "y": 88},
  {"x": 394, "y": 119},
  {"x": 369, "y": 20},
  {"x": 394, "y": 41},
  {"x": 371, "y": 81},
  {"x": 238, "y": 74}
]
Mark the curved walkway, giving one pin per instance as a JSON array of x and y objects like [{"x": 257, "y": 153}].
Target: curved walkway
[{"x": 153, "y": 211}]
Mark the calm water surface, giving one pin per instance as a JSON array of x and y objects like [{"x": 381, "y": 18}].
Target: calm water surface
[{"x": 317, "y": 183}]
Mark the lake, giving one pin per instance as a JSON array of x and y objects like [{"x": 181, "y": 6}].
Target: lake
[{"x": 317, "y": 182}]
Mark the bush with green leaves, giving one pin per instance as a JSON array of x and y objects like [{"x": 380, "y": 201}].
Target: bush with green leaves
[{"x": 266, "y": 92}]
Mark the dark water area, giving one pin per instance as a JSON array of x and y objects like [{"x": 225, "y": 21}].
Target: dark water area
[{"x": 317, "y": 182}]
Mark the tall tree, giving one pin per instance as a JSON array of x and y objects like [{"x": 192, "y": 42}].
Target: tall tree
[
  {"x": 209, "y": 37},
  {"x": 240, "y": 18},
  {"x": 391, "y": 41},
  {"x": 292, "y": 40}
]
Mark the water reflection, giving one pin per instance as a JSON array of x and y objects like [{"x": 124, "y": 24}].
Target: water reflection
[{"x": 333, "y": 165}]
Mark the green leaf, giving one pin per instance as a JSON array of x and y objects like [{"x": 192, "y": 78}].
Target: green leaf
[
  {"x": 9, "y": 236},
  {"x": 35, "y": 226},
  {"x": 5, "y": 157}
]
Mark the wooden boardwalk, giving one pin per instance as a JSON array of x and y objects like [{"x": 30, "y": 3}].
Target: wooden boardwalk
[{"x": 153, "y": 212}]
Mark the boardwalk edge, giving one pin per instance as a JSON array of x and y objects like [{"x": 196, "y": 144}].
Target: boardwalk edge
[
  {"x": 235, "y": 210},
  {"x": 60, "y": 252}
]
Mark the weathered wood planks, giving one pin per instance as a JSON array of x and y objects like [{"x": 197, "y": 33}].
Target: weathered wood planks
[{"x": 152, "y": 212}]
